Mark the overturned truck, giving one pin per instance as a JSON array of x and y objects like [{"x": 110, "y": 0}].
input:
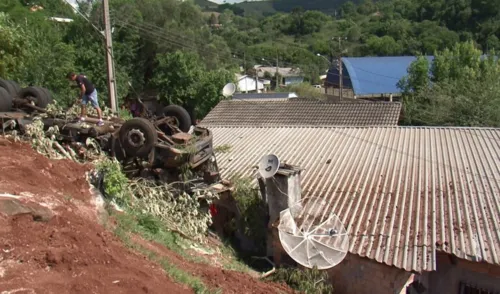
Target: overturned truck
[{"x": 166, "y": 147}]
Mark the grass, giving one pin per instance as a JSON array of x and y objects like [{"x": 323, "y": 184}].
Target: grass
[
  {"x": 151, "y": 229},
  {"x": 148, "y": 228}
]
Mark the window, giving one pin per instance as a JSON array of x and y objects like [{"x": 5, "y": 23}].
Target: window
[{"x": 466, "y": 288}]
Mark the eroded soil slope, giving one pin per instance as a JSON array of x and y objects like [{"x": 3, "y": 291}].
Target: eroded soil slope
[
  {"x": 51, "y": 240},
  {"x": 62, "y": 249}
]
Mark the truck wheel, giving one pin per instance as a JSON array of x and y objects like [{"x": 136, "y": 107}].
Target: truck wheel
[
  {"x": 138, "y": 137},
  {"x": 47, "y": 94},
  {"x": 17, "y": 88},
  {"x": 7, "y": 85},
  {"x": 41, "y": 100},
  {"x": 5, "y": 100},
  {"x": 116, "y": 150},
  {"x": 182, "y": 117}
]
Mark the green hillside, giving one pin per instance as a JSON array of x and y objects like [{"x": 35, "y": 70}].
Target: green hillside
[
  {"x": 206, "y": 5},
  {"x": 265, "y": 8}
]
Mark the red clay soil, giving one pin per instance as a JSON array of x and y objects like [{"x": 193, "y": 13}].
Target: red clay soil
[
  {"x": 69, "y": 253},
  {"x": 24, "y": 170},
  {"x": 214, "y": 277}
]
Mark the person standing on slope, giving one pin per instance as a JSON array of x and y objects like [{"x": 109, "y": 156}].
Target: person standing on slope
[{"x": 87, "y": 93}]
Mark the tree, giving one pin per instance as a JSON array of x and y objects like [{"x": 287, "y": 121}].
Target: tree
[
  {"x": 460, "y": 88},
  {"x": 13, "y": 48},
  {"x": 181, "y": 78}
]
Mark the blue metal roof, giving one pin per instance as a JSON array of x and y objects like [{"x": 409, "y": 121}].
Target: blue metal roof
[{"x": 373, "y": 75}]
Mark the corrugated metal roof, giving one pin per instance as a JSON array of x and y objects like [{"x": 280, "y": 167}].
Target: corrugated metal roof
[
  {"x": 302, "y": 112},
  {"x": 373, "y": 75},
  {"x": 402, "y": 192}
]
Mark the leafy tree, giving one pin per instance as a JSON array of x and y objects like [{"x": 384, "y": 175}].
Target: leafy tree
[
  {"x": 461, "y": 87},
  {"x": 181, "y": 78},
  {"x": 12, "y": 48}
]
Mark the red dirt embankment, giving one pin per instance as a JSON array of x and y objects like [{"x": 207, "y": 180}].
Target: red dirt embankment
[
  {"x": 69, "y": 253},
  {"x": 51, "y": 242}
]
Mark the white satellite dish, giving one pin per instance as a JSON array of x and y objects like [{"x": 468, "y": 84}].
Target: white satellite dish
[
  {"x": 269, "y": 165},
  {"x": 228, "y": 90},
  {"x": 311, "y": 239}
]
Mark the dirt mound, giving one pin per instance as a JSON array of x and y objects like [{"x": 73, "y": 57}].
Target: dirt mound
[
  {"x": 68, "y": 254},
  {"x": 24, "y": 170},
  {"x": 51, "y": 242},
  {"x": 62, "y": 252}
]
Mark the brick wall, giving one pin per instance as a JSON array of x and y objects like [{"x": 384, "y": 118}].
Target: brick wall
[
  {"x": 356, "y": 274},
  {"x": 451, "y": 271}
]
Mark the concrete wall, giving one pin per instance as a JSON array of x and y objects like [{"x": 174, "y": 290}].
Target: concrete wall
[
  {"x": 451, "y": 271},
  {"x": 356, "y": 274}
]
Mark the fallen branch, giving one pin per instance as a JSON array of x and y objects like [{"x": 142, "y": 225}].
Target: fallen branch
[
  {"x": 61, "y": 149},
  {"x": 267, "y": 274}
]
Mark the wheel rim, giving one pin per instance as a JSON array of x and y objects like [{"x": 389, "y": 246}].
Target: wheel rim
[{"x": 136, "y": 138}]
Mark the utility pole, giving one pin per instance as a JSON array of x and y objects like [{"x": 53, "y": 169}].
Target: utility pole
[
  {"x": 109, "y": 57},
  {"x": 341, "y": 75},
  {"x": 256, "y": 80},
  {"x": 277, "y": 71}
]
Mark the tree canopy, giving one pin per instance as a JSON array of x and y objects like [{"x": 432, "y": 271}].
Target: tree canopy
[
  {"x": 460, "y": 88},
  {"x": 158, "y": 42}
]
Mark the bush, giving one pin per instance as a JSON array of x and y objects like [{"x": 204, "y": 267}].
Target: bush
[
  {"x": 114, "y": 181},
  {"x": 254, "y": 216},
  {"x": 303, "y": 280}
]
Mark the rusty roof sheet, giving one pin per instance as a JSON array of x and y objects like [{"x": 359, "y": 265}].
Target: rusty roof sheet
[
  {"x": 302, "y": 112},
  {"x": 402, "y": 192}
]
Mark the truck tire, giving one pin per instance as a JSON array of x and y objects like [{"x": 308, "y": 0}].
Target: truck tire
[
  {"x": 41, "y": 100},
  {"x": 17, "y": 88},
  {"x": 5, "y": 100},
  {"x": 181, "y": 115},
  {"x": 116, "y": 150},
  {"x": 10, "y": 87},
  {"x": 47, "y": 94},
  {"x": 138, "y": 137}
]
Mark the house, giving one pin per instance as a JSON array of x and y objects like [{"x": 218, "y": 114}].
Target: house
[
  {"x": 248, "y": 84},
  {"x": 289, "y": 76},
  {"x": 370, "y": 77},
  {"x": 421, "y": 205},
  {"x": 301, "y": 112}
]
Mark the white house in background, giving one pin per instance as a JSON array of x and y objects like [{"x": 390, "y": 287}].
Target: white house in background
[
  {"x": 289, "y": 75},
  {"x": 246, "y": 84}
]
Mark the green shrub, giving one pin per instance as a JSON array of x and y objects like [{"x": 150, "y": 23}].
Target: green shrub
[
  {"x": 253, "y": 221},
  {"x": 115, "y": 182},
  {"x": 307, "y": 281}
]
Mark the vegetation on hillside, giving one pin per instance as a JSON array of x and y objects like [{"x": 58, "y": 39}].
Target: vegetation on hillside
[{"x": 183, "y": 54}]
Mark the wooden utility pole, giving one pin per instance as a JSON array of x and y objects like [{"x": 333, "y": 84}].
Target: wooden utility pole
[
  {"x": 341, "y": 75},
  {"x": 109, "y": 57},
  {"x": 278, "y": 82}
]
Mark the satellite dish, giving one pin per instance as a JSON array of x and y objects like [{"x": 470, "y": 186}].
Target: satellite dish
[
  {"x": 309, "y": 238},
  {"x": 228, "y": 90},
  {"x": 269, "y": 165}
]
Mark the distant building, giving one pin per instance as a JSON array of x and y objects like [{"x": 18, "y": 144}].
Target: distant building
[
  {"x": 289, "y": 76},
  {"x": 370, "y": 77},
  {"x": 248, "y": 84}
]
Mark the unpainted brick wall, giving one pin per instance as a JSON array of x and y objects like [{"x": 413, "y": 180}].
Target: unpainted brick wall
[
  {"x": 451, "y": 271},
  {"x": 356, "y": 274}
]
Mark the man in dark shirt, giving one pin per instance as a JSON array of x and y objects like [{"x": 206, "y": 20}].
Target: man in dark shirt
[{"x": 88, "y": 93}]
